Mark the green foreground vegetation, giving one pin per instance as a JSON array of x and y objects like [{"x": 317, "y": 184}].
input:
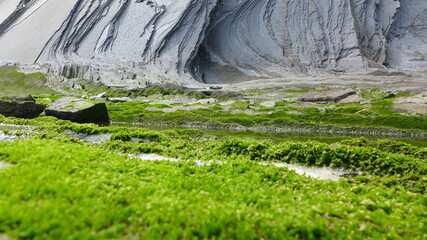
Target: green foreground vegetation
[
  {"x": 57, "y": 186},
  {"x": 61, "y": 187}
]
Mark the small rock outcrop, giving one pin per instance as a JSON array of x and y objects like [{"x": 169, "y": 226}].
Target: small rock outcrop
[
  {"x": 333, "y": 96},
  {"x": 268, "y": 104},
  {"x": 120, "y": 99},
  {"x": 413, "y": 105},
  {"x": 207, "y": 101},
  {"x": 78, "y": 110},
  {"x": 20, "y": 107},
  {"x": 412, "y": 108}
]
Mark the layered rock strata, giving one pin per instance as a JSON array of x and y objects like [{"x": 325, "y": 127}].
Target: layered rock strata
[{"x": 212, "y": 41}]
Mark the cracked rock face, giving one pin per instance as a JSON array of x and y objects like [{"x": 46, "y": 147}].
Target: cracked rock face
[{"x": 212, "y": 41}]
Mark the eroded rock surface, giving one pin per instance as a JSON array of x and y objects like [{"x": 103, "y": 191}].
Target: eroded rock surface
[{"x": 122, "y": 42}]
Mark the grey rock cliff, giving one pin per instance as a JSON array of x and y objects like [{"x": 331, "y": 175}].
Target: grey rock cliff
[{"x": 212, "y": 41}]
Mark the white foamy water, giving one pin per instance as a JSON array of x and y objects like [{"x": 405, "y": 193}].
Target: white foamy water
[
  {"x": 207, "y": 163},
  {"x": 322, "y": 173},
  {"x": 9, "y": 132},
  {"x": 155, "y": 157},
  {"x": 4, "y": 165},
  {"x": 6, "y": 138},
  {"x": 98, "y": 138}
]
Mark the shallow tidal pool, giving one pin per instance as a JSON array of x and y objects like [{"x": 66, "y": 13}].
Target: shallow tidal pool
[{"x": 275, "y": 137}]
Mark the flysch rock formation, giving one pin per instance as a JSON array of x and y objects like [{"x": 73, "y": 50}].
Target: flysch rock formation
[{"x": 123, "y": 42}]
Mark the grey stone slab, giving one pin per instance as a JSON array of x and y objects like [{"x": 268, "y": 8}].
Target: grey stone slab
[{"x": 78, "y": 110}]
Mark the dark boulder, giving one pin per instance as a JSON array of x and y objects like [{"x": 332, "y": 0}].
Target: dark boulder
[
  {"x": 78, "y": 110},
  {"x": 20, "y": 107}
]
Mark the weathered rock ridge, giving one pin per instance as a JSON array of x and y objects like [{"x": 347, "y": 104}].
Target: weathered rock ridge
[{"x": 212, "y": 41}]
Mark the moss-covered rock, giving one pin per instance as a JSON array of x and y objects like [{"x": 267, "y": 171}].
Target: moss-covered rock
[
  {"x": 78, "y": 110},
  {"x": 21, "y": 107},
  {"x": 332, "y": 96}
]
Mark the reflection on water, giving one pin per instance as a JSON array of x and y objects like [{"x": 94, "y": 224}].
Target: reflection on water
[
  {"x": 322, "y": 173},
  {"x": 275, "y": 137}
]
